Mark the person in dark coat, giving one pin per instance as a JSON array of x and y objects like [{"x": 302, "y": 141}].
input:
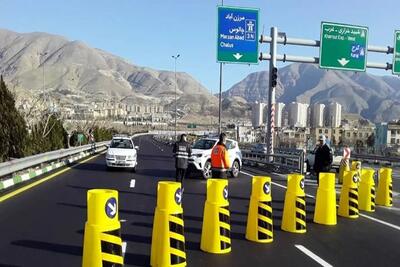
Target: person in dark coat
[
  {"x": 323, "y": 158},
  {"x": 183, "y": 151}
]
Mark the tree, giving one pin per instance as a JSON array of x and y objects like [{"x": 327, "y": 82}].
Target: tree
[
  {"x": 13, "y": 131},
  {"x": 371, "y": 140}
]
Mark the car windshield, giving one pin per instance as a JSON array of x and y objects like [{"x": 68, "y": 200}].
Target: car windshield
[
  {"x": 204, "y": 144},
  {"x": 121, "y": 143}
]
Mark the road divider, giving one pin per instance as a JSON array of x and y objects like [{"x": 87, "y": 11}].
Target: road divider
[
  {"x": 384, "y": 196},
  {"x": 216, "y": 229},
  {"x": 102, "y": 245},
  {"x": 259, "y": 220},
  {"x": 325, "y": 203},
  {"x": 366, "y": 190},
  {"x": 168, "y": 240},
  {"x": 294, "y": 211},
  {"x": 348, "y": 204}
]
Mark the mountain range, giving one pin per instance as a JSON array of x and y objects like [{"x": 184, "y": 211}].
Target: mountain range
[{"x": 76, "y": 72}]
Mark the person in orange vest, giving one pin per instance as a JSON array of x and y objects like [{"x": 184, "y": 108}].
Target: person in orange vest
[{"x": 220, "y": 159}]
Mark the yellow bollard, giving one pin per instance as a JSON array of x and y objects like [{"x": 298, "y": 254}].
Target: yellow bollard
[
  {"x": 216, "y": 229},
  {"x": 168, "y": 240},
  {"x": 294, "y": 211},
  {"x": 356, "y": 166},
  {"x": 344, "y": 166},
  {"x": 348, "y": 204},
  {"x": 325, "y": 204},
  {"x": 102, "y": 245},
  {"x": 384, "y": 194},
  {"x": 259, "y": 220},
  {"x": 366, "y": 190}
]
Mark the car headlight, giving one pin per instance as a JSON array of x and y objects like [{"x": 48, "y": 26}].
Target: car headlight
[
  {"x": 110, "y": 156},
  {"x": 130, "y": 157}
]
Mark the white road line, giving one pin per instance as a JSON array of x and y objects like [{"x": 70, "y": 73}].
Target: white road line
[
  {"x": 396, "y": 227},
  {"x": 313, "y": 256},
  {"x": 123, "y": 220},
  {"x": 132, "y": 184}
]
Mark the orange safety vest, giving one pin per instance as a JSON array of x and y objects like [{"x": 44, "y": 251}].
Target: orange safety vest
[{"x": 220, "y": 158}]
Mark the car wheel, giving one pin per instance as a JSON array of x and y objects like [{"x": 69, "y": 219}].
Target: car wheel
[
  {"x": 134, "y": 169},
  {"x": 207, "y": 170},
  {"x": 235, "y": 169}
]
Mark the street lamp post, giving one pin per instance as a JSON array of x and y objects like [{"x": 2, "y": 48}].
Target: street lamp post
[{"x": 176, "y": 109}]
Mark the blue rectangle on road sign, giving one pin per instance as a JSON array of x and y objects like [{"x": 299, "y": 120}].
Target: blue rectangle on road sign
[{"x": 237, "y": 35}]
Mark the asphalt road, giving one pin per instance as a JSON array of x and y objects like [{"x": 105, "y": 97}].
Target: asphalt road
[{"x": 44, "y": 225}]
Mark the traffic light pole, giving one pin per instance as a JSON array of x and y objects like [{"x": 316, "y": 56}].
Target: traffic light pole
[{"x": 271, "y": 92}]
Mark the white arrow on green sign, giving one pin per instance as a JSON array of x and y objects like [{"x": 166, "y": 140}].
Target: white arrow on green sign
[
  {"x": 343, "y": 47},
  {"x": 396, "y": 53},
  {"x": 237, "y": 40}
]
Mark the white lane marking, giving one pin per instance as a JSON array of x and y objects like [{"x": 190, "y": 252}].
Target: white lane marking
[
  {"x": 313, "y": 256},
  {"x": 133, "y": 182},
  {"x": 380, "y": 221},
  {"x": 124, "y": 245},
  {"x": 362, "y": 215},
  {"x": 122, "y": 220},
  {"x": 390, "y": 208}
]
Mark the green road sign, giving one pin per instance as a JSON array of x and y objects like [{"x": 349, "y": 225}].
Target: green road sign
[
  {"x": 237, "y": 40},
  {"x": 396, "y": 53},
  {"x": 343, "y": 47},
  {"x": 191, "y": 125}
]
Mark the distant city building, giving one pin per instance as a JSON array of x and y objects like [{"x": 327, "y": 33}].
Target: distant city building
[
  {"x": 279, "y": 109},
  {"x": 317, "y": 115},
  {"x": 258, "y": 114},
  {"x": 334, "y": 115},
  {"x": 387, "y": 134},
  {"x": 297, "y": 114}
]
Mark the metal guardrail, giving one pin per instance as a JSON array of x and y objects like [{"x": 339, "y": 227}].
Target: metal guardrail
[
  {"x": 277, "y": 162},
  {"x": 377, "y": 158},
  {"x": 16, "y": 165}
]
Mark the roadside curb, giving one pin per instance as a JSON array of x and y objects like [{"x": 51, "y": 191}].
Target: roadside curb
[{"x": 4, "y": 184}]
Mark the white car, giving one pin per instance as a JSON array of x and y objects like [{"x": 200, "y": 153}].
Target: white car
[
  {"x": 122, "y": 153},
  {"x": 201, "y": 156}
]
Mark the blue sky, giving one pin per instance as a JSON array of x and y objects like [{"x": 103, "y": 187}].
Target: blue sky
[{"x": 148, "y": 33}]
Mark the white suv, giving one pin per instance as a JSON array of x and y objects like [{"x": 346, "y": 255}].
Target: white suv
[
  {"x": 201, "y": 156},
  {"x": 122, "y": 153}
]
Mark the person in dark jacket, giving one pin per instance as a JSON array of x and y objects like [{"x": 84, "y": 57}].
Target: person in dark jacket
[
  {"x": 323, "y": 158},
  {"x": 183, "y": 151}
]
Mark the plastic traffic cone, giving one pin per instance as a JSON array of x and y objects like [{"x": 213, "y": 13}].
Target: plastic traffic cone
[
  {"x": 216, "y": 230},
  {"x": 259, "y": 220},
  {"x": 348, "y": 204},
  {"x": 366, "y": 190},
  {"x": 102, "y": 245},
  {"x": 294, "y": 211},
  {"x": 325, "y": 205},
  {"x": 168, "y": 240},
  {"x": 384, "y": 195}
]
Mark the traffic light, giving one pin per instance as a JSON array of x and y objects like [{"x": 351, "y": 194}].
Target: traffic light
[{"x": 274, "y": 77}]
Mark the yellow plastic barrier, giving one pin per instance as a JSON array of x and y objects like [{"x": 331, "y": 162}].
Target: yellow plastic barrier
[
  {"x": 294, "y": 211},
  {"x": 325, "y": 204},
  {"x": 366, "y": 191},
  {"x": 356, "y": 166},
  {"x": 102, "y": 245},
  {"x": 259, "y": 220},
  {"x": 348, "y": 204},
  {"x": 216, "y": 230},
  {"x": 344, "y": 166},
  {"x": 168, "y": 240},
  {"x": 384, "y": 195}
]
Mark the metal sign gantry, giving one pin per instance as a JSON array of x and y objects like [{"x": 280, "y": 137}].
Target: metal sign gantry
[{"x": 276, "y": 38}]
